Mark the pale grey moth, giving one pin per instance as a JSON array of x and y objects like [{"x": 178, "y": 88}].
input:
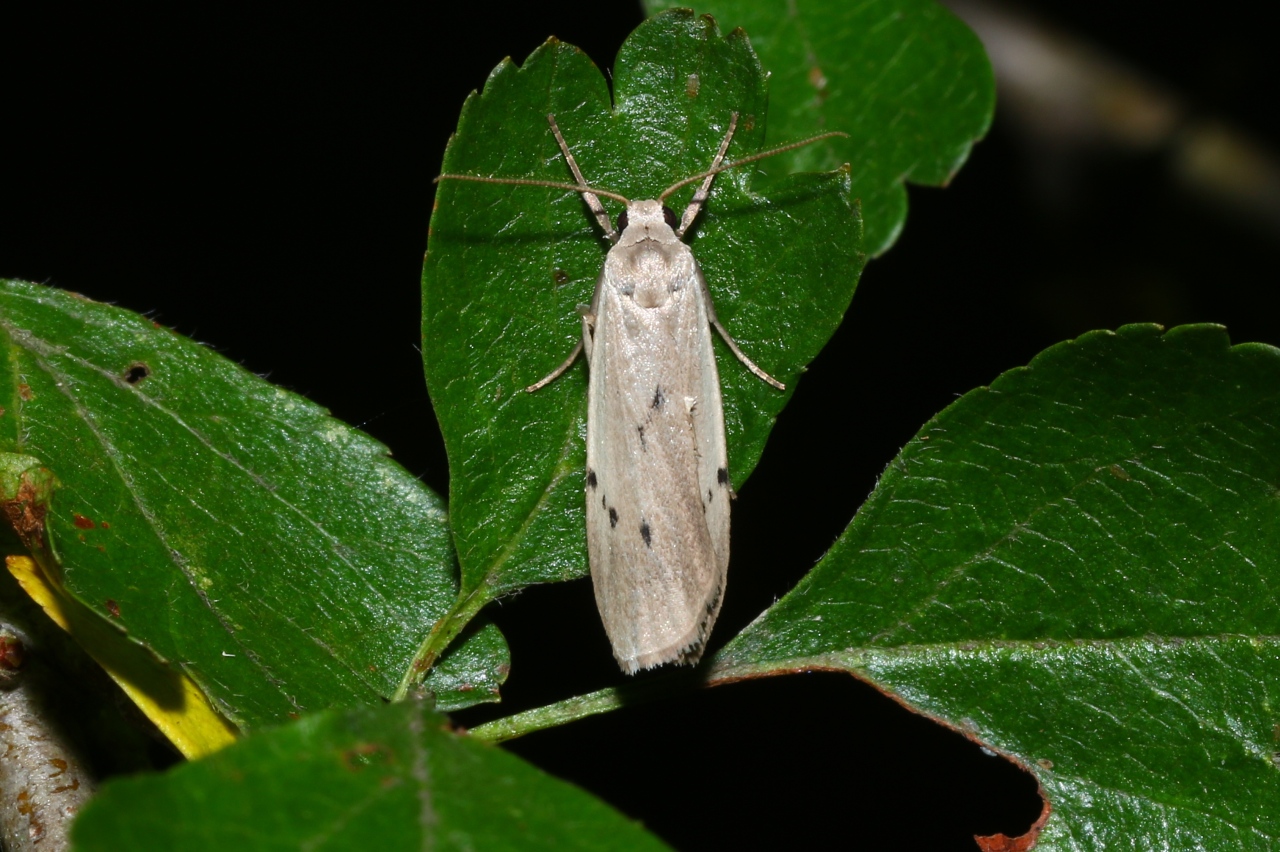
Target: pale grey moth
[{"x": 657, "y": 481}]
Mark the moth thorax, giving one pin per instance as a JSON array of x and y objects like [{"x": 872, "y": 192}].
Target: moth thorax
[{"x": 649, "y": 271}]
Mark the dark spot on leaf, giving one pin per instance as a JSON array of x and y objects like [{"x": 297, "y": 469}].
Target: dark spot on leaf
[
  {"x": 113, "y": 608},
  {"x": 136, "y": 372},
  {"x": 24, "y": 391},
  {"x": 83, "y": 523},
  {"x": 1120, "y": 473},
  {"x": 613, "y": 517},
  {"x": 645, "y": 534},
  {"x": 560, "y": 277}
]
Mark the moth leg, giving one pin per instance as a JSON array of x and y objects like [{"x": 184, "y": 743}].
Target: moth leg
[
  {"x": 555, "y": 374},
  {"x": 700, "y": 197},
  {"x": 728, "y": 339},
  {"x": 593, "y": 202},
  {"x": 588, "y": 329}
]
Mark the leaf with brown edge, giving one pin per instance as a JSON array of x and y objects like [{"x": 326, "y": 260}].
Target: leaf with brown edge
[{"x": 1077, "y": 567}]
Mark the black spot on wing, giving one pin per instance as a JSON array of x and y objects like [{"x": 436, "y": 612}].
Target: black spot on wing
[
  {"x": 646, "y": 534},
  {"x": 613, "y": 517},
  {"x": 722, "y": 476},
  {"x": 591, "y": 479},
  {"x": 659, "y": 399},
  {"x": 640, "y": 430}
]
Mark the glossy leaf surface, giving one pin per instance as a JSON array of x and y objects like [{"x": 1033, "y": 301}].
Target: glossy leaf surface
[
  {"x": 1077, "y": 566},
  {"x": 507, "y": 266},
  {"x": 906, "y": 79},
  {"x": 273, "y": 554}
]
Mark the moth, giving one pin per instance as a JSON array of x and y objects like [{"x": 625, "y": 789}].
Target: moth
[{"x": 657, "y": 480}]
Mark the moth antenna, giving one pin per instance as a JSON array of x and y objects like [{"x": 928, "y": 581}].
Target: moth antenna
[
  {"x": 700, "y": 197},
  {"x": 715, "y": 170},
  {"x": 589, "y": 196},
  {"x": 553, "y": 184}
]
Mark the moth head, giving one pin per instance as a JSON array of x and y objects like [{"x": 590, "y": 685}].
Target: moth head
[{"x": 647, "y": 214}]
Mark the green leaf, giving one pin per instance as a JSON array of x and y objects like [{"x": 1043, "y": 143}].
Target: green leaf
[
  {"x": 507, "y": 265},
  {"x": 471, "y": 671},
  {"x": 384, "y": 778},
  {"x": 1077, "y": 566},
  {"x": 906, "y": 79},
  {"x": 270, "y": 552}
]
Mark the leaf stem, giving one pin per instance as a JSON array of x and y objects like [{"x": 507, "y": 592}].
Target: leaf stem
[
  {"x": 443, "y": 632},
  {"x": 591, "y": 704}
]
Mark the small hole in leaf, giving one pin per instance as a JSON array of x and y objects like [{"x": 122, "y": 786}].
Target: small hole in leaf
[{"x": 136, "y": 372}]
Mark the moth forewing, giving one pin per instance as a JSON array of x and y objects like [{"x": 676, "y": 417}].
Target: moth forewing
[
  {"x": 657, "y": 483},
  {"x": 655, "y": 443}
]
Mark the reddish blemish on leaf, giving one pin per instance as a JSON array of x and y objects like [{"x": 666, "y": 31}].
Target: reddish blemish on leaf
[
  {"x": 366, "y": 754},
  {"x": 113, "y": 608},
  {"x": 24, "y": 391},
  {"x": 25, "y": 513},
  {"x": 819, "y": 82},
  {"x": 83, "y": 523}
]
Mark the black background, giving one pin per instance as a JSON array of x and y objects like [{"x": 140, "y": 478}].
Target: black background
[{"x": 259, "y": 179}]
